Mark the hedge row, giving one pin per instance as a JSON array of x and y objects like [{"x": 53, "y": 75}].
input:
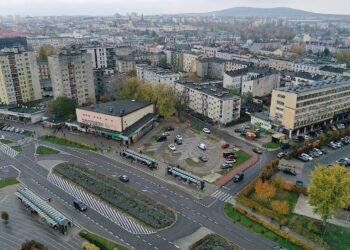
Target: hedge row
[
  {"x": 275, "y": 229},
  {"x": 129, "y": 200}
]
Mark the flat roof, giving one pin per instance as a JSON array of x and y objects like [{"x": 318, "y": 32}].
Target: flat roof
[
  {"x": 117, "y": 108},
  {"x": 210, "y": 88},
  {"x": 329, "y": 83}
]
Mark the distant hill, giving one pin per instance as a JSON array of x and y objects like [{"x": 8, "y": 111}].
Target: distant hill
[{"x": 268, "y": 12}]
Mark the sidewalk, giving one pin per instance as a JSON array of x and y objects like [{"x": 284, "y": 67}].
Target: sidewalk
[{"x": 287, "y": 230}]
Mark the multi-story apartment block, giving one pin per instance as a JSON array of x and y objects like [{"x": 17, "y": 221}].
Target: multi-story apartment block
[
  {"x": 19, "y": 78},
  {"x": 302, "y": 108},
  {"x": 125, "y": 63},
  {"x": 45, "y": 78},
  {"x": 260, "y": 81},
  {"x": 102, "y": 57},
  {"x": 210, "y": 100},
  {"x": 173, "y": 58},
  {"x": 36, "y": 42},
  {"x": 334, "y": 71},
  {"x": 155, "y": 75},
  {"x": 214, "y": 68},
  {"x": 189, "y": 63},
  {"x": 211, "y": 51},
  {"x": 72, "y": 75},
  {"x": 11, "y": 39}
]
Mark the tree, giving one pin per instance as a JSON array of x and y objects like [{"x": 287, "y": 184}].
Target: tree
[
  {"x": 278, "y": 181},
  {"x": 297, "y": 49},
  {"x": 329, "y": 190},
  {"x": 323, "y": 138},
  {"x": 130, "y": 73},
  {"x": 264, "y": 189},
  {"x": 281, "y": 207},
  {"x": 33, "y": 245},
  {"x": 336, "y": 134},
  {"x": 287, "y": 185},
  {"x": 129, "y": 89},
  {"x": 163, "y": 63},
  {"x": 105, "y": 98},
  {"x": 63, "y": 108},
  {"x": 163, "y": 100},
  {"x": 181, "y": 100},
  {"x": 326, "y": 52},
  {"x": 89, "y": 246},
  {"x": 193, "y": 77},
  {"x": 247, "y": 97},
  {"x": 5, "y": 216},
  {"x": 343, "y": 56},
  {"x": 45, "y": 51}
]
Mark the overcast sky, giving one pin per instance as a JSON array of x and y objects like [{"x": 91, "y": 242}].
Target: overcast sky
[{"x": 109, "y": 7}]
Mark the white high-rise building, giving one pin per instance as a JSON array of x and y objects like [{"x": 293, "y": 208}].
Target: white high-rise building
[
  {"x": 72, "y": 75},
  {"x": 19, "y": 77}
]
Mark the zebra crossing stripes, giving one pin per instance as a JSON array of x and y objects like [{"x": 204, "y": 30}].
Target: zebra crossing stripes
[
  {"x": 24, "y": 141},
  {"x": 8, "y": 150},
  {"x": 221, "y": 195},
  {"x": 99, "y": 206}
]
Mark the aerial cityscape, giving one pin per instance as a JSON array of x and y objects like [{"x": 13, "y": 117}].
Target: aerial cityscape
[{"x": 159, "y": 125}]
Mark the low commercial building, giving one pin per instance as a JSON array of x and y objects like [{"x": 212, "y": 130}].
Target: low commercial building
[
  {"x": 260, "y": 81},
  {"x": 261, "y": 120},
  {"x": 305, "y": 107},
  {"x": 211, "y": 100},
  {"x": 21, "y": 113},
  {"x": 155, "y": 75},
  {"x": 124, "y": 121}
]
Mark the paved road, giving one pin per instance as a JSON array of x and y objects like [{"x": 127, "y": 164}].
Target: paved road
[{"x": 192, "y": 213}]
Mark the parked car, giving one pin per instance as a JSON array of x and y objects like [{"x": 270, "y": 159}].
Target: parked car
[
  {"x": 339, "y": 144},
  {"x": 282, "y": 154},
  {"x": 178, "y": 141},
  {"x": 225, "y": 145},
  {"x": 239, "y": 130},
  {"x": 225, "y": 166},
  {"x": 80, "y": 205},
  {"x": 303, "y": 158},
  {"x": 17, "y": 130},
  {"x": 202, "y": 146},
  {"x": 306, "y": 137},
  {"x": 168, "y": 129},
  {"x": 345, "y": 162},
  {"x": 279, "y": 248},
  {"x": 231, "y": 157},
  {"x": 165, "y": 134},
  {"x": 123, "y": 178},
  {"x": 332, "y": 145},
  {"x": 230, "y": 161},
  {"x": 307, "y": 156},
  {"x": 238, "y": 177},
  {"x": 172, "y": 147},
  {"x": 227, "y": 154},
  {"x": 203, "y": 158},
  {"x": 257, "y": 150},
  {"x": 345, "y": 141},
  {"x": 161, "y": 138},
  {"x": 179, "y": 137},
  {"x": 299, "y": 183},
  {"x": 206, "y": 130},
  {"x": 289, "y": 171}
]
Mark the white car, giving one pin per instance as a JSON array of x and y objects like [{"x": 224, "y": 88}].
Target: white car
[
  {"x": 172, "y": 147},
  {"x": 307, "y": 156},
  {"x": 179, "y": 137},
  {"x": 202, "y": 146},
  {"x": 206, "y": 130}
]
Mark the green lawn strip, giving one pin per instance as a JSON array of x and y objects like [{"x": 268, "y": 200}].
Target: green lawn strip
[
  {"x": 8, "y": 182},
  {"x": 271, "y": 145},
  {"x": 192, "y": 162},
  {"x": 17, "y": 148},
  {"x": 65, "y": 142},
  {"x": 5, "y": 141},
  {"x": 236, "y": 216},
  {"x": 214, "y": 241},
  {"x": 101, "y": 242},
  {"x": 146, "y": 210},
  {"x": 337, "y": 237},
  {"x": 172, "y": 153},
  {"x": 241, "y": 158},
  {"x": 150, "y": 153},
  {"x": 42, "y": 150},
  {"x": 28, "y": 133}
]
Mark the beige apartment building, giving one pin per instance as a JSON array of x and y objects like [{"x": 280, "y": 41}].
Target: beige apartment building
[
  {"x": 189, "y": 62},
  {"x": 123, "y": 120},
  {"x": 19, "y": 78},
  {"x": 305, "y": 107},
  {"x": 210, "y": 100},
  {"x": 72, "y": 75}
]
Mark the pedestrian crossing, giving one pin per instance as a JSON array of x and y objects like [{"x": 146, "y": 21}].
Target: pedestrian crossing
[
  {"x": 221, "y": 195},
  {"x": 99, "y": 206},
  {"x": 8, "y": 150},
  {"x": 24, "y": 141}
]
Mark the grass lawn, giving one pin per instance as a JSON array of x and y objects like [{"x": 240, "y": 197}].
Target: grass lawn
[
  {"x": 42, "y": 150},
  {"x": 65, "y": 142},
  {"x": 101, "y": 242},
  {"x": 194, "y": 163},
  {"x": 8, "y": 182},
  {"x": 337, "y": 237},
  {"x": 271, "y": 145},
  {"x": 236, "y": 216},
  {"x": 241, "y": 158},
  {"x": 17, "y": 148},
  {"x": 214, "y": 241},
  {"x": 172, "y": 153},
  {"x": 5, "y": 141},
  {"x": 197, "y": 128},
  {"x": 28, "y": 133},
  {"x": 150, "y": 153}
]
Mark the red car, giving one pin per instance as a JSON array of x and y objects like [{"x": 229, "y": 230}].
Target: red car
[
  {"x": 231, "y": 157},
  {"x": 225, "y": 145}
]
